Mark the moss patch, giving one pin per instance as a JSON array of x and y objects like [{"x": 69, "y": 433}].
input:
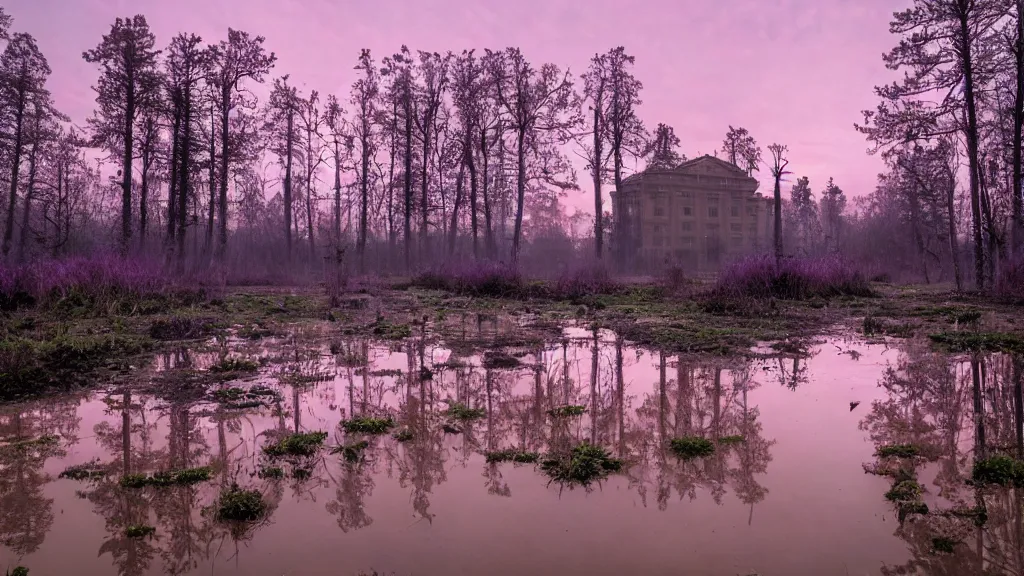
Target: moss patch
[
  {"x": 139, "y": 531},
  {"x": 567, "y": 411},
  {"x": 353, "y": 452},
  {"x": 87, "y": 471},
  {"x": 905, "y": 491},
  {"x": 368, "y": 425},
  {"x": 1001, "y": 470},
  {"x": 301, "y": 444},
  {"x": 403, "y": 435},
  {"x": 239, "y": 505},
  {"x": 175, "y": 478},
  {"x": 517, "y": 456},
  {"x": 464, "y": 413},
  {"x": 583, "y": 465},
  {"x": 897, "y": 451},
  {"x": 691, "y": 447}
]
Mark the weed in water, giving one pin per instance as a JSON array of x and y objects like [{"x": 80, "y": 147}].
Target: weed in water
[
  {"x": 449, "y": 429},
  {"x": 87, "y": 471},
  {"x": 897, "y": 451},
  {"x": 352, "y": 452},
  {"x": 691, "y": 447},
  {"x": 729, "y": 440},
  {"x": 181, "y": 328},
  {"x": 403, "y": 435},
  {"x": 792, "y": 279},
  {"x": 943, "y": 544},
  {"x": 979, "y": 342},
  {"x": 301, "y": 444},
  {"x": 905, "y": 491},
  {"x": 18, "y": 571},
  {"x": 463, "y": 413},
  {"x": 583, "y": 465},
  {"x": 905, "y": 509},
  {"x": 517, "y": 456},
  {"x": 387, "y": 373},
  {"x": 239, "y": 505},
  {"x": 388, "y": 331},
  {"x": 567, "y": 411},
  {"x": 231, "y": 365},
  {"x": 174, "y": 478},
  {"x": 1001, "y": 470},
  {"x": 500, "y": 361},
  {"x": 368, "y": 425},
  {"x": 271, "y": 472},
  {"x": 426, "y": 374},
  {"x": 139, "y": 531}
]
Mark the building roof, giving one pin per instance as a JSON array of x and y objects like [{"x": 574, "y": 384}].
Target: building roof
[{"x": 705, "y": 164}]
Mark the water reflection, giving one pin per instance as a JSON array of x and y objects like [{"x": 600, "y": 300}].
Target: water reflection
[{"x": 787, "y": 460}]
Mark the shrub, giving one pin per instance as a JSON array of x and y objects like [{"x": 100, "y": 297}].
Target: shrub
[
  {"x": 475, "y": 278},
  {"x": 1002, "y": 470},
  {"x": 585, "y": 464},
  {"x": 510, "y": 455},
  {"x": 691, "y": 447},
  {"x": 368, "y": 425},
  {"x": 240, "y": 505},
  {"x": 299, "y": 444},
  {"x": 583, "y": 281},
  {"x": 1010, "y": 283},
  {"x": 95, "y": 282},
  {"x": 793, "y": 278}
]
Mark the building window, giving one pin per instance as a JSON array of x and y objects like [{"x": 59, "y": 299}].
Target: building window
[
  {"x": 658, "y": 211},
  {"x": 736, "y": 228},
  {"x": 687, "y": 226},
  {"x": 753, "y": 229},
  {"x": 686, "y": 241},
  {"x": 659, "y": 230},
  {"x": 687, "y": 211},
  {"x": 712, "y": 198},
  {"x": 737, "y": 241},
  {"x": 712, "y": 211},
  {"x": 659, "y": 241},
  {"x": 752, "y": 210},
  {"x": 712, "y": 228},
  {"x": 687, "y": 194},
  {"x": 735, "y": 211}
]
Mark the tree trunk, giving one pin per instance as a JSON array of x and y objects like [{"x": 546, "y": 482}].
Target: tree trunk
[
  {"x": 972, "y": 149},
  {"x": 144, "y": 191},
  {"x": 222, "y": 207},
  {"x": 951, "y": 215},
  {"x": 778, "y": 220},
  {"x": 288, "y": 142},
  {"x": 1018, "y": 123},
  {"x": 29, "y": 193},
  {"x": 407, "y": 182},
  {"x": 364, "y": 194},
  {"x": 172, "y": 185},
  {"x": 424, "y": 199},
  {"x": 337, "y": 194},
  {"x": 517, "y": 231},
  {"x": 213, "y": 179},
  {"x": 126, "y": 161},
  {"x": 596, "y": 168},
  {"x": 19, "y": 120},
  {"x": 488, "y": 230},
  {"x": 471, "y": 165},
  {"x": 453, "y": 231}
]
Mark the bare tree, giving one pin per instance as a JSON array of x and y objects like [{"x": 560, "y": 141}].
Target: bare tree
[
  {"x": 127, "y": 86},
  {"x": 435, "y": 78},
  {"x": 23, "y": 70},
  {"x": 236, "y": 59},
  {"x": 282, "y": 110},
  {"x": 312, "y": 121},
  {"x": 779, "y": 163},
  {"x": 364, "y": 102},
  {"x": 742, "y": 149}
]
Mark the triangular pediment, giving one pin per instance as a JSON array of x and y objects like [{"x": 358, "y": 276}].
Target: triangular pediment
[{"x": 710, "y": 166}]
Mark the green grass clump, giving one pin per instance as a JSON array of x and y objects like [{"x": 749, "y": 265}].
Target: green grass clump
[
  {"x": 23, "y": 446},
  {"x": 368, "y": 425},
  {"x": 979, "y": 342},
  {"x": 897, "y": 451},
  {"x": 240, "y": 398},
  {"x": 231, "y": 365},
  {"x": 87, "y": 471},
  {"x": 500, "y": 361},
  {"x": 907, "y": 508},
  {"x": 691, "y": 447},
  {"x": 1001, "y": 470},
  {"x": 271, "y": 472},
  {"x": 584, "y": 465},
  {"x": 238, "y": 505},
  {"x": 567, "y": 411},
  {"x": 389, "y": 331},
  {"x": 139, "y": 531},
  {"x": 509, "y": 455},
  {"x": 729, "y": 440},
  {"x": 18, "y": 571},
  {"x": 403, "y": 435},
  {"x": 464, "y": 413},
  {"x": 301, "y": 444},
  {"x": 352, "y": 452},
  {"x": 187, "y": 476},
  {"x": 905, "y": 491}
]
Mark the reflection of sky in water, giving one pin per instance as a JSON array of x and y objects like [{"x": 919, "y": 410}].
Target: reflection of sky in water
[{"x": 792, "y": 499}]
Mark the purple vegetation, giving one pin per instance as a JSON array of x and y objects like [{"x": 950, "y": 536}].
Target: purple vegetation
[
  {"x": 583, "y": 281},
  {"x": 792, "y": 279},
  {"x": 93, "y": 279},
  {"x": 473, "y": 278},
  {"x": 1010, "y": 283}
]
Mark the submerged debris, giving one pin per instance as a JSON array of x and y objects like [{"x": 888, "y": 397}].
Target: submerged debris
[
  {"x": 943, "y": 544},
  {"x": 300, "y": 444},
  {"x": 232, "y": 365},
  {"x": 567, "y": 411},
  {"x": 403, "y": 435},
  {"x": 511, "y": 455},
  {"x": 691, "y": 447},
  {"x": 139, "y": 531},
  {"x": 239, "y": 505},
  {"x": 179, "y": 477},
  {"x": 500, "y": 361},
  {"x": 368, "y": 425},
  {"x": 584, "y": 465}
]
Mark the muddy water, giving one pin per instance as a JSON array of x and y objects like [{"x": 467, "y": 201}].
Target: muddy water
[{"x": 791, "y": 498}]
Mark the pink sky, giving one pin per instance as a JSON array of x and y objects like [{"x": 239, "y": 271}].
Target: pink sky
[{"x": 796, "y": 72}]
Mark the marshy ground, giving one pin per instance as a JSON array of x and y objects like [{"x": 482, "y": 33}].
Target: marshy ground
[{"x": 639, "y": 431}]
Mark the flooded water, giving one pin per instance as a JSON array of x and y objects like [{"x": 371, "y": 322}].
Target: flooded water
[{"x": 789, "y": 498}]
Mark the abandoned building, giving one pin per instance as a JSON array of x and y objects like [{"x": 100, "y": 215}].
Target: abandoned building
[{"x": 698, "y": 215}]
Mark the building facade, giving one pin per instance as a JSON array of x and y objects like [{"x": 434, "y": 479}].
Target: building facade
[{"x": 698, "y": 215}]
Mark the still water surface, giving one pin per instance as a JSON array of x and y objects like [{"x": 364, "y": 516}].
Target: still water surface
[{"x": 792, "y": 498}]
